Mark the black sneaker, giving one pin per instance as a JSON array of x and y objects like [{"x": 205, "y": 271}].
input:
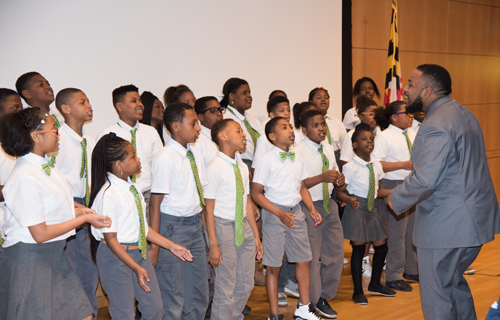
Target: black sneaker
[
  {"x": 381, "y": 290},
  {"x": 324, "y": 308},
  {"x": 411, "y": 277},
  {"x": 399, "y": 285},
  {"x": 276, "y": 317},
  {"x": 246, "y": 310},
  {"x": 359, "y": 298}
]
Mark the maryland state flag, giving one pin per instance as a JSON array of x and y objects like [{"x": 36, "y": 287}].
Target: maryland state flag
[{"x": 393, "y": 83}]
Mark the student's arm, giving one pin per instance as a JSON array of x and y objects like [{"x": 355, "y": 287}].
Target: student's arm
[
  {"x": 214, "y": 254},
  {"x": 117, "y": 249},
  {"x": 255, "y": 209},
  {"x": 1, "y": 194},
  {"x": 253, "y": 225},
  {"x": 259, "y": 198},
  {"x": 177, "y": 250},
  {"x": 344, "y": 197},
  {"x": 43, "y": 232},
  {"x": 383, "y": 193},
  {"x": 393, "y": 166},
  {"x": 330, "y": 176},
  {"x": 306, "y": 198},
  {"x": 154, "y": 223}
]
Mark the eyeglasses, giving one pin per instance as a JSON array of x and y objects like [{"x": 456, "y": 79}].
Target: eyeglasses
[
  {"x": 43, "y": 131},
  {"x": 405, "y": 112},
  {"x": 370, "y": 114},
  {"x": 214, "y": 110}
]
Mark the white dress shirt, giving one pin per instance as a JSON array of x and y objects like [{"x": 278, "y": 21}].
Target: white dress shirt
[
  {"x": 263, "y": 146},
  {"x": 205, "y": 146},
  {"x": 281, "y": 178},
  {"x": 222, "y": 185},
  {"x": 314, "y": 162},
  {"x": 357, "y": 176},
  {"x": 69, "y": 158},
  {"x": 166, "y": 135},
  {"x": 351, "y": 119},
  {"x": 346, "y": 153},
  {"x": 337, "y": 132},
  {"x": 116, "y": 201},
  {"x": 391, "y": 146},
  {"x": 414, "y": 127},
  {"x": 173, "y": 177},
  {"x": 7, "y": 164},
  {"x": 148, "y": 144},
  {"x": 33, "y": 197},
  {"x": 254, "y": 122},
  {"x": 299, "y": 135}
]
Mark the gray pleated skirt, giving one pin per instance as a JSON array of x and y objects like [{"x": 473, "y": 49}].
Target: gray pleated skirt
[
  {"x": 38, "y": 282},
  {"x": 361, "y": 224}
]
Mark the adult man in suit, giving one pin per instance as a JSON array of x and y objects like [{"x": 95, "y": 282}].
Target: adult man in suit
[{"x": 457, "y": 209}]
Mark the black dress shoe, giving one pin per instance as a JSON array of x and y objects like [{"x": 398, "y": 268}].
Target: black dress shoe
[
  {"x": 381, "y": 290},
  {"x": 359, "y": 298},
  {"x": 411, "y": 277},
  {"x": 399, "y": 285},
  {"x": 246, "y": 310}
]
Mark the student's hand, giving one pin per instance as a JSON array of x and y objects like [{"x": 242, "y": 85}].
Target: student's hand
[
  {"x": 256, "y": 213},
  {"x": 343, "y": 204},
  {"x": 407, "y": 165},
  {"x": 354, "y": 204},
  {"x": 340, "y": 180},
  {"x": 316, "y": 217},
  {"x": 287, "y": 219},
  {"x": 181, "y": 252},
  {"x": 83, "y": 210},
  {"x": 389, "y": 200},
  {"x": 214, "y": 256},
  {"x": 153, "y": 254},
  {"x": 98, "y": 221},
  {"x": 142, "y": 275},
  {"x": 330, "y": 176},
  {"x": 259, "y": 249}
]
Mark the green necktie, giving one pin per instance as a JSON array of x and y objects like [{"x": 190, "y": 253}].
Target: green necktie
[
  {"x": 239, "y": 229},
  {"x": 142, "y": 230},
  {"x": 46, "y": 166},
  {"x": 375, "y": 133},
  {"x": 84, "y": 171},
  {"x": 254, "y": 134},
  {"x": 57, "y": 123},
  {"x": 190, "y": 156},
  {"x": 328, "y": 135},
  {"x": 326, "y": 193},
  {"x": 133, "y": 132},
  {"x": 408, "y": 142},
  {"x": 371, "y": 187},
  {"x": 290, "y": 155}
]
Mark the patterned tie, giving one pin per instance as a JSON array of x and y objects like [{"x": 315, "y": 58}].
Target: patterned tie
[
  {"x": 239, "y": 229},
  {"x": 408, "y": 142},
  {"x": 374, "y": 133},
  {"x": 290, "y": 155},
  {"x": 326, "y": 195},
  {"x": 142, "y": 230},
  {"x": 46, "y": 167},
  {"x": 254, "y": 134},
  {"x": 190, "y": 156},
  {"x": 57, "y": 123},
  {"x": 133, "y": 132},
  {"x": 328, "y": 135},
  {"x": 371, "y": 187},
  {"x": 84, "y": 171}
]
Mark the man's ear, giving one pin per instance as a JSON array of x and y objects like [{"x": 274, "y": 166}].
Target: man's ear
[{"x": 118, "y": 106}]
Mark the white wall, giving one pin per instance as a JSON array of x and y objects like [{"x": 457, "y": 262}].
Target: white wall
[{"x": 293, "y": 45}]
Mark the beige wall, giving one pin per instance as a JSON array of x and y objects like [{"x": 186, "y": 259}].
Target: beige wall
[{"x": 462, "y": 36}]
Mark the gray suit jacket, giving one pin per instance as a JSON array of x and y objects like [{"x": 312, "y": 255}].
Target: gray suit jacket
[{"x": 450, "y": 181}]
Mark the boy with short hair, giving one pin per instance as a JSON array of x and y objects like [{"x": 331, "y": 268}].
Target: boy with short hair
[
  {"x": 144, "y": 138},
  {"x": 233, "y": 237},
  {"x": 176, "y": 203},
  {"x": 281, "y": 175},
  {"x": 74, "y": 162},
  {"x": 327, "y": 240}
]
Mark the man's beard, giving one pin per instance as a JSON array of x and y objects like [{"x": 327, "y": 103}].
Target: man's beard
[{"x": 416, "y": 105}]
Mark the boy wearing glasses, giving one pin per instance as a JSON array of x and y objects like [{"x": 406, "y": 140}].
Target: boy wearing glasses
[{"x": 209, "y": 112}]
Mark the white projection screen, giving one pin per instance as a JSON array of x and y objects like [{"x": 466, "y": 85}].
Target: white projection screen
[{"x": 96, "y": 46}]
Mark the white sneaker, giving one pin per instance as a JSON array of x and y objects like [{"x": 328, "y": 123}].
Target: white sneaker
[
  {"x": 306, "y": 312},
  {"x": 372, "y": 249},
  {"x": 346, "y": 261},
  {"x": 385, "y": 264},
  {"x": 282, "y": 301},
  {"x": 292, "y": 288},
  {"x": 367, "y": 267}
]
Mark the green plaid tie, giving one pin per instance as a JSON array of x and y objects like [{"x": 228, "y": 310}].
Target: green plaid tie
[
  {"x": 371, "y": 187},
  {"x": 190, "y": 156},
  {"x": 84, "y": 170},
  {"x": 46, "y": 167},
  {"x": 133, "y": 132},
  {"x": 290, "y": 155},
  {"x": 254, "y": 134},
  {"x": 142, "y": 230},
  {"x": 328, "y": 135},
  {"x": 408, "y": 142},
  {"x": 375, "y": 133},
  {"x": 58, "y": 124},
  {"x": 326, "y": 193},
  {"x": 239, "y": 229}
]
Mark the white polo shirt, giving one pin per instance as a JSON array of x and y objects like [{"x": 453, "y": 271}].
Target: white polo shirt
[
  {"x": 337, "y": 132},
  {"x": 173, "y": 177},
  {"x": 357, "y": 176},
  {"x": 256, "y": 124},
  {"x": 351, "y": 119},
  {"x": 222, "y": 185},
  {"x": 148, "y": 144},
  {"x": 205, "y": 146},
  {"x": 116, "y": 201},
  {"x": 69, "y": 158},
  {"x": 391, "y": 146},
  {"x": 346, "y": 153},
  {"x": 314, "y": 162},
  {"x": 281, "y": 178},
  {"x": 33, "y": 197}
]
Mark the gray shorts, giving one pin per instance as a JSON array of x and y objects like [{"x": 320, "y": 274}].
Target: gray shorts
[{"x": 278, "y": 238}]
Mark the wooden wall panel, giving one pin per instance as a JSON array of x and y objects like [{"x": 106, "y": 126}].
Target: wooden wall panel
[
  {"x": 482, "y": 2},
  {"x": 366, "y": 63},
  {"x": 371, "y": 23},
  {"x": 488, "y": 116},
  {"x": 468, "y": 75},
  {"x": 413, "y": 59},
  {"x": 494, "y": 31},
  {"x": 493, "y": 80}
]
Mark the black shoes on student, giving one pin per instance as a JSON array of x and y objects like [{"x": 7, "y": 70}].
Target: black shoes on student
[
  {"x": 411, "y": 277},
  {"x": 324, "y": 308},
  {"x": 359, "y": 298},
  {"x": 246, "y": 310},
  {"x": 276, "y": 317},
  {"x": 381, "y": 290},
  {"x": 399, "y": 285}
]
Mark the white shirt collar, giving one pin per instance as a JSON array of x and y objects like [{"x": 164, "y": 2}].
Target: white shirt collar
[
  {"x": 179, "y": 148},
  {"x": 396, "y": 129},
  {"x": 72, "y": 133},
  {"x": 34, "y": 159},
  {"x": 206, "y": 131},
  {"x": 226, "y": 158},
  {"x": 239, "y": 115},
  {"x": 361, "y": 161},
  {"x": 119, "y": 182},
  {"x": 126, "y": 126},
  {"x": 311, "y": 143}
]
